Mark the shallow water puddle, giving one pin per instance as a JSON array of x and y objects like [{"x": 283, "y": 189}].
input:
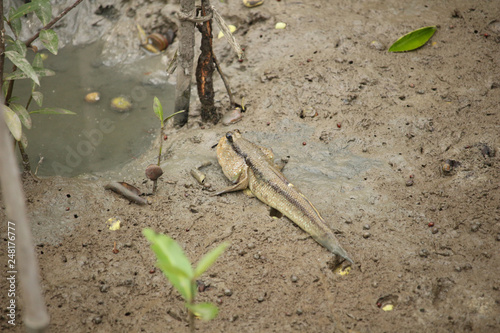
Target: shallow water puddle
[{"x": 98, "y": 138}]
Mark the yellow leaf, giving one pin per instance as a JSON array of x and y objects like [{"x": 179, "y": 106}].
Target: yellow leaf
[{"x": 114, "y": 223}]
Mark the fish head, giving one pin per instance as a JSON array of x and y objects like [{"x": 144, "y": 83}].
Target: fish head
[{"x": 231, "y": 163}]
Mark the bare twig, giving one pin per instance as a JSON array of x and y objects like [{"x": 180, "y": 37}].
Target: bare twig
[
  {"x": 226, "y": 82},
  {"x": 36, "y": 317},
  {"x": 227, "y": 33}
]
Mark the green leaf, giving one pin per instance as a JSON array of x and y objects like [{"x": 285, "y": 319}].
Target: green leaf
[
  {"x": 22, "y": 64},
  {"x": 15, "y": 24},
  {"x": 205, "y": 311},
  {"x": 43, "y": 10},
  {"x": 50, "y": 40},
  {"x": 173, "y": 114},
  {"x": 13, "y": 122},
  {"x": 5, "y": 88},
  {"x": 24, "y": 140},
  {"x": 37, "y": 61},
  {"x": 52, "y": 111},
  {"x": 209, "y": 259},
  {"x": 173, "y": 262},
  {"x": 18, "y": 47},
  {"x": 158, "y": 109},
  {"x": 37, "y": 97},
  {"x": 22, "y": 10},
  {"x": 179, "y": 280},
  {"x": 23, "y": 115},
  {"x": 41, "y": 72},
  {"x": 413, "y": 40}
]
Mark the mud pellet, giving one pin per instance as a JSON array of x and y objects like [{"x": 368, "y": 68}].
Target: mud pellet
[
  {"x": 366, "y": 234},
  {"x": 423, "y": 253},
  {"x": 260, "y": 299},
  {"x": 435, "y": 230},
  {"x": 228, "y": 292},
  {"x": 299, "y": 312},
  {"x": 251, "y": 245},
  {"x": 366, "y": 227},
  {"x": 294, "y": 278},
  {"x": 256, "y": 256}
]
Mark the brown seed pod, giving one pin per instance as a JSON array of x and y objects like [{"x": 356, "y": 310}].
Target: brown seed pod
[{"x": 153, "y": 172}]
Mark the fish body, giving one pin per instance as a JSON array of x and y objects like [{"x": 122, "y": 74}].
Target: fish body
[{"x": 250, "y": 166}]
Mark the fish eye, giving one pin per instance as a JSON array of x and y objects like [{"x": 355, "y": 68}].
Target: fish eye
[{"x": 229, "y": 136}]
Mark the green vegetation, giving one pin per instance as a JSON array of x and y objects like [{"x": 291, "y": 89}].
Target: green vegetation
[
  {"x": 179, "y": 271},
  {"x": 17, "y": 115},
  {"x": 158, "y": 109},
  {"x": 413, "y": 40}
]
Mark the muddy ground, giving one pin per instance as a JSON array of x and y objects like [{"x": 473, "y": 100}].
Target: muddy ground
[{"x": 423, "y": 240}]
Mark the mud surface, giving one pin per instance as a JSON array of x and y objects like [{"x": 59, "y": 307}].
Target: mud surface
[{"x": 371, "y": 158}]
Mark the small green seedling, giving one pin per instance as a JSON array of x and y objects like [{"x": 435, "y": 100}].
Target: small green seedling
[
  {"x": 413, "y": 40},
  {"x": 178, "y": 270},
  {"x": 158, "y": 109}
]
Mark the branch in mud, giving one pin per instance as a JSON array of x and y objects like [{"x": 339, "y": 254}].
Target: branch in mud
[
  {"x": 35, "y": 314},
  {"x": 184, "y": 63},
  {"x": 205, "y": 69}
]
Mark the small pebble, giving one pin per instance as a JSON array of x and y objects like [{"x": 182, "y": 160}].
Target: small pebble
[
  {"x": 260, "y": 299},
  {"x": 299, "y": 312},
  {"x": 104, "y": 288},
  {"x": 256, "y": 256},
  {"x": 366, "y": 227},
  {"x": 409, "y": 182},
  {"x": 251, "y": 245},
  {"x": 294, "y": 278},
  {"x": 377, "y": 45},
  {"x": 498, "y": 238},
  {"x": 475, "y": 227},
  {"x": 228, "y": 292},
  {"x": 431, "y": 224},
  {"x": 458, "y": 268},
  {"x": 446, "y": 167},
  {"x": 366, "y": 234},
  {"x": 97, "y": 320},
  {"x": 423, "y": 253},
  {"x": 435, "y": 230},
  {"x": 374, "y": 284}
]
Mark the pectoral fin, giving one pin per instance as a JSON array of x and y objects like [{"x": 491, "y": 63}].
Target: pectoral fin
[{"x": 240, "y": 185}]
